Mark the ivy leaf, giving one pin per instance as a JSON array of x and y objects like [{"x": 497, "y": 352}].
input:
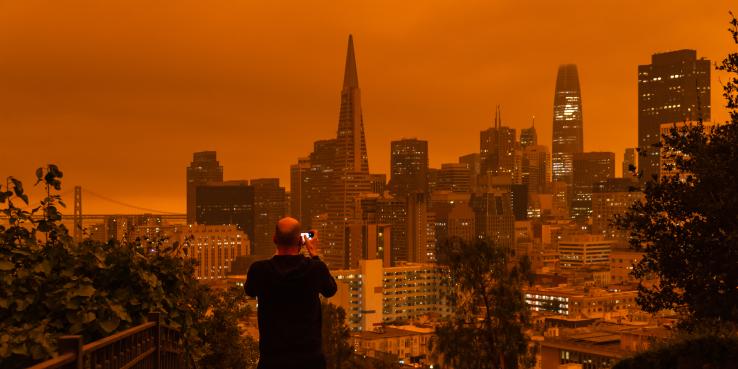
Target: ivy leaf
[
  {"x": 85, "y": 291},
  {"x": 6, "y": 265},
  {"x": 110, "y": 325}
]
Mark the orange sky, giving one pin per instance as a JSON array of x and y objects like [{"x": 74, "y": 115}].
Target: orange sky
[{"x": 120, "y": 93}]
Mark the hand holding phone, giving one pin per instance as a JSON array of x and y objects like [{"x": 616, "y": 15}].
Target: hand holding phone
[{"x": 310, "y": 240}]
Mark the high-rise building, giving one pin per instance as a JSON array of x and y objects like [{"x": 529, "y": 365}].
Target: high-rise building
[
  {"x": 454, "y": 177},
  {"x": 577, "y": 251},
  {"x": 373, "y": 294},
  {"x": 473, "y": 162},
  {"x": 379, "y": 183},
  {"x": 269, "y": 207},
  {"x": 408, "y": 166},
  {"x": 442, "y": 204},
  {"x": 589, "y": 168},
  {"x": 497, "y": 148},
  {"x": 630, "y": 158},
  {"x": 300, "y": 183},
  {"x": 350, "y": 173},
  {"x": 668, "y": 155},
  {"x": 675, "y": 87},
  {"x": 610, "y": 198},
  {"x": 204, "y": 169},
  {"x": 433, "y": 174},
  {"x": 393, "y": 212},
  {"x": 215, "y": 247},
  {"x": 568, "y": 136},
  {"x": 230, "y": 202},
  {"x": 528, "y": 136},
  {"x": 421, "y": 237},
  {"x": 495, "y": 218},
  {"x": 535, "y": 169},
  {"x": 462, "y": 222},
  {"x": 351, "y": 155}
]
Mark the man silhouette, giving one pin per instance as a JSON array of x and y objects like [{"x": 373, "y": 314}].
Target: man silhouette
[{"x": 286, "y": 287}]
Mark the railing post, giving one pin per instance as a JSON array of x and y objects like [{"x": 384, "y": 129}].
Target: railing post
[
  {"x": 155, "y": 317},
  {"x": 72, "y": 344}
]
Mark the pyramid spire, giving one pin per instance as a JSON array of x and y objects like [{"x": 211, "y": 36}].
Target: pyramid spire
[{"x": 350, "y": 76}]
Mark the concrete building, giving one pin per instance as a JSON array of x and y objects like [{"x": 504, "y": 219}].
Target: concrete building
[
  {"x": 582, "y": 302},
  {"x": 621, "y": 265},
  {"x": 577, "y": 251},
  {"x": 610, "y": 198},
  {"x": 497, "y": 148},
  {"x": 494, "y": 216},
  {"x": 215, "y": 247},
  {"x": 406, "y": 345},
  {"x": 589, "y": 168},
  {"x": 373, "y": 295}
]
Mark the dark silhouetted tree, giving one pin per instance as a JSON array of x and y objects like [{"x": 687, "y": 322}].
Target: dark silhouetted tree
[
  {"x": 488, "y": 326},
  {"x": 687, "y": 225}
]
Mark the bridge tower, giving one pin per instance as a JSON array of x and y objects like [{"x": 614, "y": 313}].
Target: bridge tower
[{"x": 77, "y": 213}]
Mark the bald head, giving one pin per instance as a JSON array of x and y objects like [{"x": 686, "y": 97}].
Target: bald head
[{"x": 287, "y": 232}]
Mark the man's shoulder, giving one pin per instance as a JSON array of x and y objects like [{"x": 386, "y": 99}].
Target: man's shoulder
[{"x": 259, "y": 264}]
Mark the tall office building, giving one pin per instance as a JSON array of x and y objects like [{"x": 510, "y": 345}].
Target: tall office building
[
  {"x": 609, "y": 198},
  {"x": 350, "y": 173},
  {"x": 351, "y": 155},
  {"x": 204, "y": 169},
  {"x": 675, "y": 87},
  {"x": 408, "y": 166},
  {"x": 474, "y": 163},
  {"x": 421, "y": 238},
  {"x": 497, "y": 148},
  {"x": 589, "y": 168},
  {"x": 215, "y": 247},
  {"x": 630, "y": 157},
  {"x": 494, "y": 216},
  {"x": 379, "y": 183},
  {"x": 392, "y": 211},
  {"x": 535, "y": 169},
  {"x": 227, "y": 203},
  {"x": 528, "y": 136},
  {"x": 454, "y": 177},
  {"x": 269, "y": 207},
  {"x": 300, "y": 183},
  {"x": 568, "y": 136}
]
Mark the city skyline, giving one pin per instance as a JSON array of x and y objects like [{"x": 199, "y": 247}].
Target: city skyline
[{"x": 158, "y": 172}]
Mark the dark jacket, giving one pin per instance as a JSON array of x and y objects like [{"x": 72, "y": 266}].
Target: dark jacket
[{"x": 289, "y": 314}]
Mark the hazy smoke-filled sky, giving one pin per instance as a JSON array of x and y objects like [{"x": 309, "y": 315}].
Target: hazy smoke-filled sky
[{"x": 120, "y": 93}]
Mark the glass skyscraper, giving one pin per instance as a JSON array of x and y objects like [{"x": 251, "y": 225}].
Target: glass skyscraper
[{"x": 568, "y": 136}]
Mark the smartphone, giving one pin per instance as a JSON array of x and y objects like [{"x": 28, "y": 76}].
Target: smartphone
[{"x": 308, "y": 234}]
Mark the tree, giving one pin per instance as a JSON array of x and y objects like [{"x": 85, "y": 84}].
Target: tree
[
  {"x": 488, "y": 326},
  {"x": 228, "y": 344},
  {"x": 687, "y": 227},
  {"x": 336, "y": 334},
  {"x": 52, "y": 286}
]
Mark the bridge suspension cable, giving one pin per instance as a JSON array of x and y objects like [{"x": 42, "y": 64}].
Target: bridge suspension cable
[{"x": 121, "y": 203}]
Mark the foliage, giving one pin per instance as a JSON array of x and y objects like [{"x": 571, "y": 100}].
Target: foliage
[
  {"x": 699, "y": 352},
  {"x": 687, "y": 226},
  {"x": 51, "y": 286},
  {"x": 229, "y": 346},
  {"x": 336, "y": 345},
  {"x": 490, "y": 319}
]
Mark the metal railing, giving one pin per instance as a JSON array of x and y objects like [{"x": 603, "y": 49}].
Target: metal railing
[{"x": 151, "y": 345}]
